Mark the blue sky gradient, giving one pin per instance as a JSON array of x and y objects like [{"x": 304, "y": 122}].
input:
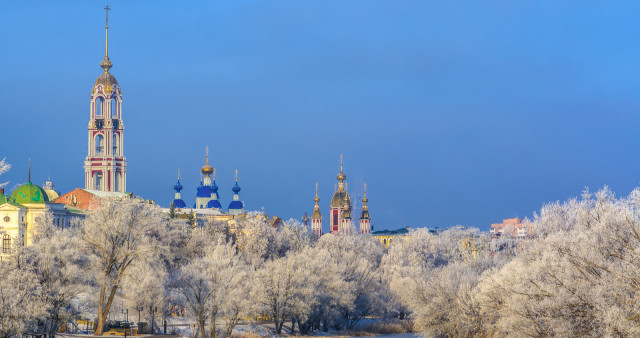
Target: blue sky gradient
[{"x": 453, "y": 112}]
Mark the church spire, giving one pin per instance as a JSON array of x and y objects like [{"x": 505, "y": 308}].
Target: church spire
[
  {"x": 106, "y": 63},
  {"x": 365, "y": 219},
  {"x": 316, "y": 217}
]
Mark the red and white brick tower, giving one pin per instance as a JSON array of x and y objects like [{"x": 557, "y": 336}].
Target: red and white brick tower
[
  {"x": 365, "y": 220},
  {"x": 316, "y": 217},
  {"x": 339, "y": 202},
  {"x": 105, "y": 166}
]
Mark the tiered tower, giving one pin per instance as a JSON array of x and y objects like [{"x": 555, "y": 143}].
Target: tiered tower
[
  {"x": 236, "y": 207},
  {"x": 365, "y": 220},
  {"x": 339, "y": 203},
  {"x": 347, "y": 224},
  {"x": 316, "y": 217},
  {"x": 105, "y": 166}
]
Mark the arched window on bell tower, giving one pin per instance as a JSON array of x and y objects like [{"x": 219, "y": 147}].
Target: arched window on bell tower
[
  {"x": 99, "y": 144},
  {"x": 114, "y": 108},
  {"x": 115, "y": 144},
  {"x": 99, "y": 104}
]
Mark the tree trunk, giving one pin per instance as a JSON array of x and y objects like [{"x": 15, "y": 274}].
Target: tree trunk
[
  {"x": 214, "y": 332},
  {"x": 202, "y": 328},
  {"x": 103, "y": 313},
  {"x": 100, "y": 327}
]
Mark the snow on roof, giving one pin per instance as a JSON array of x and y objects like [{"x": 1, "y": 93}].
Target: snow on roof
[
  {"x": 196, "y": 211},
  {"x": 106, "y": 194}
]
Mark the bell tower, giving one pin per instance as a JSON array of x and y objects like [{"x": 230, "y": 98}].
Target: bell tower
[{"x": 105, "y": 167}]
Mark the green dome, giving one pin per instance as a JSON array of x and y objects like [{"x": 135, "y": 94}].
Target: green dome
[{"x": 29, "y": 193}]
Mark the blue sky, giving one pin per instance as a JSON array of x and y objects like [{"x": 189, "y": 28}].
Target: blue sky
[{"x": 462, "y": 112}]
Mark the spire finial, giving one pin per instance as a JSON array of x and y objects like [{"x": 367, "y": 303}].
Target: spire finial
[
  {"x": 236, "y": 175},
  {"x": 29, "y": 170},
  {"x": 365, "y": 199},
  {"x": 106, "y": 63},
  {"x": 207, "y": 154},
  {"x": 316, "y": 189},
  {"x": 341, "y": 176},
  {"x": 178, "y": 174},
  {"x": 106, "y": 28}
]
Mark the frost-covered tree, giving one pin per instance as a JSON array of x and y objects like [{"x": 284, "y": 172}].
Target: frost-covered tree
[
  {"x": 259, "y": 242},
  {"x": 329, "y": 292},
  {"x": 579, "y": 276},
  {"x": 212, "y": 287},
  {"x": 59, "y": 265},
  {"x": 434, "y": 275},
  {"x": 4, "y": 167},
  {"x": 21, "y": 301},
  {"x": 280, "y": 288},
  {"x": 362, "y": 256},
  {"x": 117, "y": 235}
]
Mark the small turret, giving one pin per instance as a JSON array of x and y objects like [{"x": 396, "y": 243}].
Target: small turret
[
  {"x": 236, "y": 207},
  {"x": 214, "y": 203},
  {"x": 316, "y": 217},
  {"x": 365, "y": 220},
  {"x": 177, "y": 201}
]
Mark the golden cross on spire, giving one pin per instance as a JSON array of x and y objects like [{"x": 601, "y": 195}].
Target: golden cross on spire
[
  {"x": 316, "y": 189},
  {"x": 207, "y": 154},
  {"x": 178, "y": 174},
  {"x": 236, "y": 175},
  {"x": 340, "y": 162},
  {"x": 29, "y": 170},
  {"x": 365, "y": 190}
]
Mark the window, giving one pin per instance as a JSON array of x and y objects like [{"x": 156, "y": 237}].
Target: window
[
  {"x": 335, "y": 219},
  {"x": 115, "y": 144},
  {"x": 6, "y": 244},
  {"x": 114, "y": 108},
  {"x": 99, "y": 102},
  {"x": 98, "y": 181},
  {"x": 99, "y": 144},
  {"x": 117, "y": 181}
]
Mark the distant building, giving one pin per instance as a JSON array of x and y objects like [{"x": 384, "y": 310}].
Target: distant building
[
  {"x": 340, "y": 210},
  {"x": 85, "y": 198},
  {"x": 512, "y": 226},
  {"x": 26, "y": 208},
  {"x": 387, "y": 237}
]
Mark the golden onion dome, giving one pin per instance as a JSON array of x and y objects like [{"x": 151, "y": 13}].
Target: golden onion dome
[
  {"x": 340, "y": 198},
  {"x": 316, "y": 214},
  {"x": 106, "y": 80},
  {"x": 341, "y": 176},
  {"x": 207, "y": 169}
]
